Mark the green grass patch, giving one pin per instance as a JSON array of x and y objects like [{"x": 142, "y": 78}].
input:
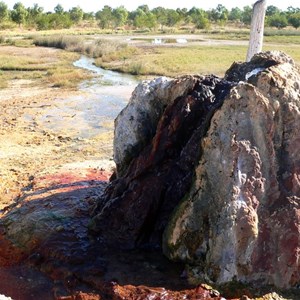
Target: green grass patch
[
  {"x": 242, "y": 34},
  {"x": 282, "y": 39},
  {"x": 174, "y": 61},
  {"x": 25, "y": 43},
  {"x": 18, "y": 42},
  {"x": 281, "y": 32}
]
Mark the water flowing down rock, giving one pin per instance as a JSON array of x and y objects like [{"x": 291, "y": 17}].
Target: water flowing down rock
[{"x": 216, "y": 173}]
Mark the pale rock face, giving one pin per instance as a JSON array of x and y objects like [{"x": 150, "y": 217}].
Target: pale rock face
[
  {"x": 136, "y": 124},
  {"x": 241, "y": 218}
]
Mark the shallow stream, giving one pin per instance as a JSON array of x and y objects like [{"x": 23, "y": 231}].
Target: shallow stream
[{"x": 94, "y": 110}]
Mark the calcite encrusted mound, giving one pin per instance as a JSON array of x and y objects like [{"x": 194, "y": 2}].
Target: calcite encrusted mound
[{"x": 209, "y": 169}]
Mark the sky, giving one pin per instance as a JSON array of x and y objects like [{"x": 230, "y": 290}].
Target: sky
[{"x": 93, "y": 6}]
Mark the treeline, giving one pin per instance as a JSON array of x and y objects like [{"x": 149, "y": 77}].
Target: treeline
[{"x": 141, "y": 18}]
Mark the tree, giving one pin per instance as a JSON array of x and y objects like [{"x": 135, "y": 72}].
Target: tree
[
  {"x": 3, "y": 12},
  {"x": 199, "y": 18},
  {"x": 76, "y": 14},
  {"x": 182, "y": 12},
  {"x": 172, "y": 17},
  {"x": 294, "y": 20},
  {"x": 119, "y": 15},
  {"x": 279, "y": 21},
  {"x": 272, "y": 10},
  {"x": 246, "y": 15},
  {"x": 145, "y": 20},
  {"x": 150, "y": 21},
  {"x": 219, "y": 14},
  {"x": 235, "y": 14},
  {"x": 88, "y": 16},
  {"x": 35, "y": 10},
  {"x": 59, "y": 9},
  {"x": 138, "y": 18},
  {"x": 161, "y": 16},
  {"x": 104, "y": 17},
  {"x": 144, "y": 8},
  {"x": 19, "y": 13},
  {"x": 292, "y": 10},
  {"x": 53, "y": 21},
  {"x": 33, "y": 13}
]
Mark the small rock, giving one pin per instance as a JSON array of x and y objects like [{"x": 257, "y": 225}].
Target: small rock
[{"x": 59, "y": 228}]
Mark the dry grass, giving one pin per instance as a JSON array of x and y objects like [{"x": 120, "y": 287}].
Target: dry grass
[
  {"x": 101, "y": 48},
  {"x": 56, "y": 71},
  {"x": 64, "y": 74},
  {"x": 20, "y": 63}
]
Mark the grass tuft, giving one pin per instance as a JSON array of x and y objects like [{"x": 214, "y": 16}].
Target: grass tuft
[
  {"x": 137, "y": 68},
  {"x": 71, "y": 43}
]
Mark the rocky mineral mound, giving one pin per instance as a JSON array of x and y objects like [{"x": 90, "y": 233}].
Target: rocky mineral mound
[{"x": 209, "y": 170}]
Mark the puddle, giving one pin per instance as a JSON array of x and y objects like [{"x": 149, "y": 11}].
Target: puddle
[
  {"x": 157, "y": 41},
  {"x": 93, "y": 112}
]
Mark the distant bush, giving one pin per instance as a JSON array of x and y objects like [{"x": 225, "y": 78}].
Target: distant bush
[{"x": 278, "y": 20}]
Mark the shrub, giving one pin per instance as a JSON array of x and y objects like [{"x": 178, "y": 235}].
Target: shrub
[
  {"x": 137, "y": 68},
  {"x": 294, "y": 20},
  {"x": 7, "y": 25},
  {"x": 72, "y": 43},
  {"x": 278, "y": 21}
]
